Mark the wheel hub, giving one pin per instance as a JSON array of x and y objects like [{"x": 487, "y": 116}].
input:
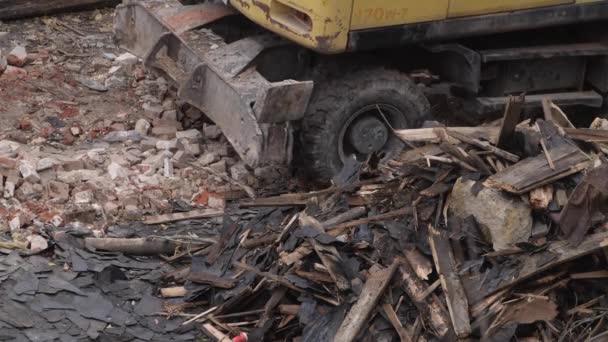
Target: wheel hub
[{"x": 368, "y": 134}]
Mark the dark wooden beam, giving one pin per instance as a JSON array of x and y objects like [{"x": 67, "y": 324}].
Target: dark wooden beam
[{"x": 18, "y": 9}]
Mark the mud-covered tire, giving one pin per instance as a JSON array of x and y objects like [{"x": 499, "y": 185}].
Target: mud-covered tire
[{"x": 336, "y": 99}]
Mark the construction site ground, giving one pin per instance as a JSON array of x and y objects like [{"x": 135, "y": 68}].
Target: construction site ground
[{"x": 126, "y": 215}]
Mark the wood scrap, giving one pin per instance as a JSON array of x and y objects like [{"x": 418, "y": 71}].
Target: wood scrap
[
  {"x": 484, "y": 145},
  {"x": 191, "y": 215},
  {"x": 535, "y": 172},
  {"x": 370, "y": 295},
  {"x": 173, "y": 292},
  {"x": 456, "y": 298},
  {"x": 421, "y": 265},
  {"x": 430, "y": 307},
  {"x": 433, "y": 135},
  {"x": 511, "y": 118},
  {"x": 553, "y": 113},
  {"x": 541, "y": 197},
  {"x": 590, "y": 275},
  {"x": 589, "y": 198},
  {"x": 337, "y": 229},
  {"x": 135, "y": 246},
  {"x": 329, "y": 255},
  {"x": 587, "y": 134},
  {"x": 404, "y": 335},
  {"x": 556, "y": 253}
]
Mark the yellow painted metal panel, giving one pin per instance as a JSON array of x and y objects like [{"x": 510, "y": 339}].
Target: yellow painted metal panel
[
  {"x": 321, "y": 25},
  {"x": 381, "y": 13},
  {"x": 461, "y": 8}
]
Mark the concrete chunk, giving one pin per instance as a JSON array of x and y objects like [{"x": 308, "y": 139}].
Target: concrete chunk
[{"x": 505, "y": 220}]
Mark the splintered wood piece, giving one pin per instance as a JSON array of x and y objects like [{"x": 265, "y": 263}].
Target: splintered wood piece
[
  {"x": 511, "y": 119},
  {"x": 373, "y": 290},
  {"x": 456, "y": 298},
  {"x": 554, "y": 113},
  {"x": 590, "y": 275},
  {"x": 429, "y": 306},
  {"x": 556, "y": 253},
  {"x": 191, "y": 215},
  {"x": 484, "y": 145},
  {"x": 585, "y": 305},
  {"x": 211, "y": 279},
  {"x": 315, "y": 276},
  {"x": 349, "y": 215},
  {"x": 587, "y": 134},
  {"x": 264, "y": 240},
  {"x": 338, "y": 229},
  {"x": 300, "y": 252},
  {"x": 422, "y": 266},
  {"x": 173, "y": 292},
  {"x": 211, "y": 331},
  {"x": 301, "y": 199},
  {"x": 329, "y": 255},
  {"x": 535, "y": 172},
  {"x": 434, "y": 135},
  {"x": 287, "y": 309},
  {"x": 540, "y": 198},
  {"x": 332, "y": 259},
  {"x": 404, "y": 335}
]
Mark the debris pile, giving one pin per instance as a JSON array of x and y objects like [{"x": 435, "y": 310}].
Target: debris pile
[
  {"x": 90, "y": 138},
  {"x": 491, "y": 232}
]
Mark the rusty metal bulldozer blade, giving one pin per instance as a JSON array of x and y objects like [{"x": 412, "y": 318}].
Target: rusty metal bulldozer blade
[{"x": 217, "y": 78}]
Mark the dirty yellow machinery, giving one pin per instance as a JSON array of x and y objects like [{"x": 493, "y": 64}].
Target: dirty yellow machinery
[{"x": 326, "y": 80}]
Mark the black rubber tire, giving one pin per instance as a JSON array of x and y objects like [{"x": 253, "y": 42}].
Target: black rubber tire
[{"x": 337, "y": 98}]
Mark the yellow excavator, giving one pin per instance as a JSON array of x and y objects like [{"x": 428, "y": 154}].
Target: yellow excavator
[{"x": 326, "y": 81}]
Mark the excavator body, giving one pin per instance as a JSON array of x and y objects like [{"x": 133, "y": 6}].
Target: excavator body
[{"x": 273, "y": 82}]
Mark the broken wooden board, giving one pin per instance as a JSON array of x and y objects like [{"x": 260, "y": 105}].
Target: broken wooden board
[
  {"x": 17, "y": 9},
  {"x": 589, "y": 198},
  {"x": 329, "y": 255},
  {"x": 456, "y": 298},
  {"x": 556, "y": 254},
  {"x": 535, "y": 172},
  {"x": 429, "y": 306},
  {"x": 434, "y": 135},
  {"x": 370, "y": 295},
  {"x": 135, "y": 246},
  {"x": 511, "y": 118},
  {"x": 587, "y": 134},
  {"x": 191, "y": 215}
]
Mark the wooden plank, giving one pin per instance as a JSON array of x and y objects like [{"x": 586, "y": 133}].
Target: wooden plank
[
  {"x": 390, "y": 313},
  {"x": 430, "y": 307},
  {"x": 372, "y": 291},
  {"x": 456, "y": 298},
  {"x": 191, "y": 215},
  {"x": 135, "y": 246},
  {"x": 433, "y": 135},
  {"x": 554, "y": 113},
  {"x": 511, "y": 117},
  {"x": 587, "y": 134},
  {"x": 535, "y": 172},
  {"x": 557, "y": 253},
  {"x": 17, "y": 9},
  {"x": 484, "y": 145}
]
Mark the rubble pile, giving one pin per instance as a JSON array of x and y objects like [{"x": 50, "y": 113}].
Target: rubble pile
[
  {"x": 489, "y": 232},
  {"x": 92, "y": 138},
  {"x": 126, "y": 217}
]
